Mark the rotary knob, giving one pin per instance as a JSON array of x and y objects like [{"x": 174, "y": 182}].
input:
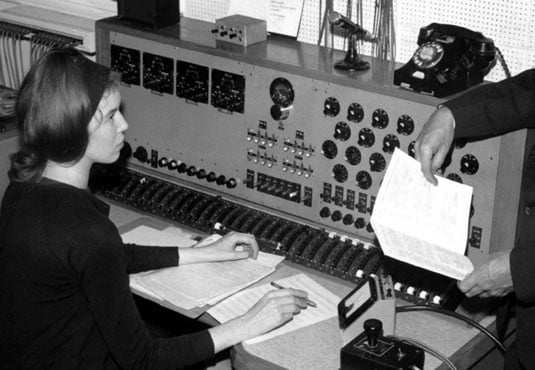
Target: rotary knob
[{"x": 141, "y": 154}]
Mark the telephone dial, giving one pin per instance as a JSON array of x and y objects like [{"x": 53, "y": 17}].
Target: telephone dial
[{"x": 449, "y": 59}]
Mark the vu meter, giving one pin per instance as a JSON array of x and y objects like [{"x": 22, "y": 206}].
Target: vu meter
[{"x": 283, "y": 95}]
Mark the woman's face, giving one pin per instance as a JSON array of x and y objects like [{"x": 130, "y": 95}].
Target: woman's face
[{"x": 106, "y": 130}]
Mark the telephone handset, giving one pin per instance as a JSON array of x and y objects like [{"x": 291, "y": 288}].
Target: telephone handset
[{"x": 449, "y": 59}]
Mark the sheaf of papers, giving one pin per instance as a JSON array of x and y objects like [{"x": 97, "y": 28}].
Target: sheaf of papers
[
  {"x": 241, "y": 302},
  {"x": 281, "y": 16},
  {"x": 422, "y": 224},
  {"x": 199, "y": 284}
]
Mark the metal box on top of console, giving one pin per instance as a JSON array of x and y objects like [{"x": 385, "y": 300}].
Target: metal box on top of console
[{"x": 240, "y": 30}]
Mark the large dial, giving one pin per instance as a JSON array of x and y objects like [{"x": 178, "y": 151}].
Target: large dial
[{"x": 282, "y": 92}]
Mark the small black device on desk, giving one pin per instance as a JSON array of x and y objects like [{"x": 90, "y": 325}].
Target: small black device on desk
[
  {"x": 449, "y": 59},
  {"x": 368, "y": 306}
]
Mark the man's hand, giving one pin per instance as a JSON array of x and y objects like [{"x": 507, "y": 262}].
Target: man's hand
[
  {"x": 491, "y": 279},
  {"x": 434, "y": 142}
]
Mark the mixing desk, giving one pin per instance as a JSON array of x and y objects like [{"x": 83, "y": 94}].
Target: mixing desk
[{"x": 270, "y": 139}]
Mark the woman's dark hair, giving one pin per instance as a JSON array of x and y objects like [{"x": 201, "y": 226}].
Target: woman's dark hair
[{"x": 55, "y": 104}]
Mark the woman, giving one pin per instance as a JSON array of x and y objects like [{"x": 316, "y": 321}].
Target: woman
[{"x": 65, "y": 301}]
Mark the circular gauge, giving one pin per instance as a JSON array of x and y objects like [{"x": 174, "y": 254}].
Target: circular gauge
[
  {"x": 331, "y": 107},
  {"x": 329, "y": 149},
  {"x": 282, "y": 92},
  {"x": 353, "y": 156},
  {"x": 342, "y": 131},
  {"x": 340, "y": 173},
  {"x": 379, "y": 118}
]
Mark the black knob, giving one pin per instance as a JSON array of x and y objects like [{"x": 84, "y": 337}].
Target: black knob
[
  {"x": 191, "y": 171},
  {"x": 221, "y": 180},
  {"x": 162, "y": 162},
  {"x": 231, "y": 183},
  {"x": 348, "y": 219},
  {"x": 360, "y": 223},
  {"x": 201, "y": 174},
  {"x": 325, "y": 212},
  {"x": 172, "y": 165},
  {"x": 373, "y": 329},
  {"x": 141, "y": 154},
  {"x": 336, "y": 216},
  {"x": 182, "y": 167},
  {"x": 211, "y": 177}
]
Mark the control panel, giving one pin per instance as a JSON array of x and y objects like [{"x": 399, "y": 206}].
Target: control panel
[{"x": 277, "y": 129}]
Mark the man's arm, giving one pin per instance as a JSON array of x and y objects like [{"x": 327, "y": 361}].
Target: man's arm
[{"x": 496, "y": 108}]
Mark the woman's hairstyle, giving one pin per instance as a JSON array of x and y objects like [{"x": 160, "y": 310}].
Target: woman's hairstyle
[{"x": 56, "y": 101}]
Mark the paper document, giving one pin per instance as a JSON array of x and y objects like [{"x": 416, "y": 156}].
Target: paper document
[
  {"x": 422, "y": 224},
  {"x": 281, "y": 16},
  {"x": 241, "y": 302},
  {"x": 198, "y": 284}
]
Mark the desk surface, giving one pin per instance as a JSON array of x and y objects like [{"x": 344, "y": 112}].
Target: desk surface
[{"x": 318, "y": 346}]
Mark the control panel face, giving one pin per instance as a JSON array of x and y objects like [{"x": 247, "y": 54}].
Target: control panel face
[{"x": 295, "y": 144}]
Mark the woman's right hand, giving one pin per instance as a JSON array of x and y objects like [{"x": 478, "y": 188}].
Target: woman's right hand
[{"x": 274, "y": 309}]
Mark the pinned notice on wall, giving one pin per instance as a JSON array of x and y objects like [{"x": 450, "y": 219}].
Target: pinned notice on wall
[{"x": 282, "y": 16}]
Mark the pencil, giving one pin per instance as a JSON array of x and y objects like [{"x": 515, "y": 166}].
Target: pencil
[{"x": 309, "y": 302}]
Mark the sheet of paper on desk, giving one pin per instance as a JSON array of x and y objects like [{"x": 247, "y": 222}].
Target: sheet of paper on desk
[
  {"x": 199, "y": 284},
  {"x": 422, "y": 224},
  {"x": 241, "y": 302},
  {"x": 195, "y": 285},
  {"x": 170, "y": 236}
]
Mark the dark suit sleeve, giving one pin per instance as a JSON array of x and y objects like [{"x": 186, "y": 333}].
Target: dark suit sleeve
[
  {"x": 492, "y": 110},
  {"x": 496, "y": 108}
]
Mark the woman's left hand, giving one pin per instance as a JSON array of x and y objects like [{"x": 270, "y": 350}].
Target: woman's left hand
[{"x": 232, "y": 246}]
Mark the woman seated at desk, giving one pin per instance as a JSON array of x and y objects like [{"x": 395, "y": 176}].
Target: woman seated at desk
[{"x": 65, "y": 301}]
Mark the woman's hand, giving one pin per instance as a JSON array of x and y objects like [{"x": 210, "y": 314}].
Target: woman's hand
[
  {"x": 274, "y": 309},
  {"x": 232, "y": 246}
]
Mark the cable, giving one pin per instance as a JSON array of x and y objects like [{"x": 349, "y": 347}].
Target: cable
[
  {"x": 433, "y": 352},
  {"x": 468, "y": 320},
  {"x": 501, "y": 59}
]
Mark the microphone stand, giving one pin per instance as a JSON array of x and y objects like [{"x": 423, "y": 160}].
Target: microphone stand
[{"x": 352, "y": 61}]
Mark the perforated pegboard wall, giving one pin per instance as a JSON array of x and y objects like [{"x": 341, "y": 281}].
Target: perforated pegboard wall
[{"x": 508, "y": 23}]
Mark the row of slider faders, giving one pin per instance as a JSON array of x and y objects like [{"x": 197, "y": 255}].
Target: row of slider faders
[{"x": 343, "y": 257}]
